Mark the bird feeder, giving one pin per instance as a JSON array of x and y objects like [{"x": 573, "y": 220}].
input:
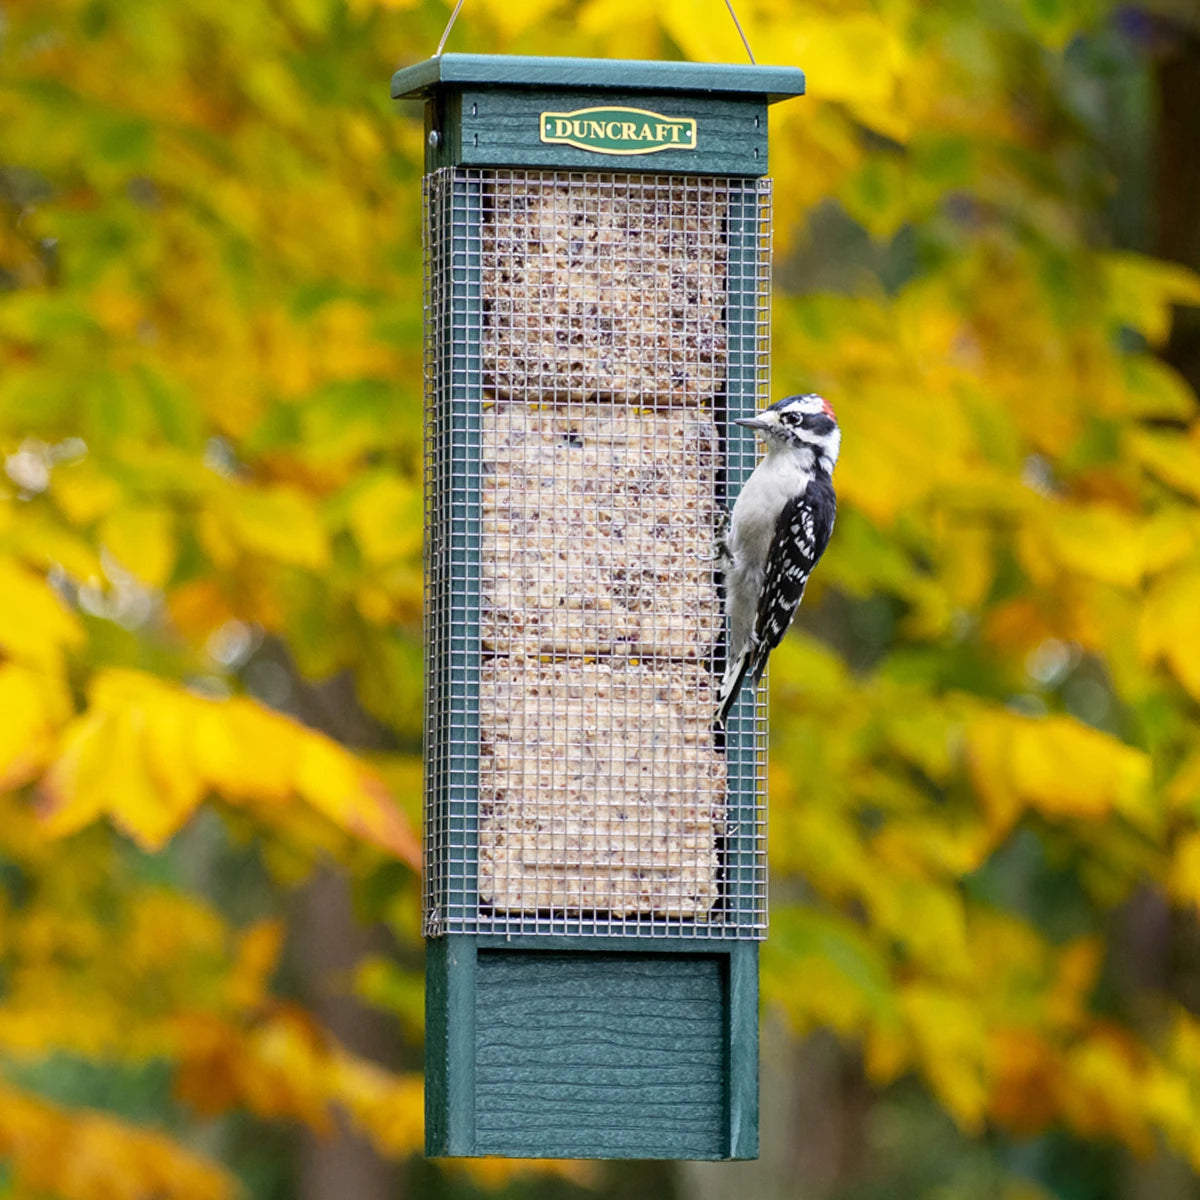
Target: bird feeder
[{"x": 597, "y": 283}]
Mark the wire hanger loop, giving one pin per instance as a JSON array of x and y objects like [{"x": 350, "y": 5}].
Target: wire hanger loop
[
  {"x": 458, "y": 8},
  {"x": 446, "y": 32}
]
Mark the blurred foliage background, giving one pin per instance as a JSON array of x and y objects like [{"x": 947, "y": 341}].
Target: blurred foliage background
[{"x": 982, "y": 976}]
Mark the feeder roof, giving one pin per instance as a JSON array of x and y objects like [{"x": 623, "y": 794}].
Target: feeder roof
[{"x": 624, "y": 75}]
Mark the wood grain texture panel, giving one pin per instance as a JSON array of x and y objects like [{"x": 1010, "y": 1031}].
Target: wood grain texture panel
[{"x": 601, "y": 1055}]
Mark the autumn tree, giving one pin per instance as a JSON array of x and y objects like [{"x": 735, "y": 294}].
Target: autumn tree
[{"x": 985, "y": 769}]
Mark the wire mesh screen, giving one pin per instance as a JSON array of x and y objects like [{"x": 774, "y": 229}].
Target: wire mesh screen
[{"x": 587, "y": 339}]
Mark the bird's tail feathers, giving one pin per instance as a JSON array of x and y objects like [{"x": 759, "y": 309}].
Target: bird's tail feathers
[
  {"x": 758, "y": 667},
  {"x": 731, "y": 685}
]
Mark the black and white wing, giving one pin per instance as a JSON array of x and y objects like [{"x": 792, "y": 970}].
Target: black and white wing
[{"x": 800, "y": 538}]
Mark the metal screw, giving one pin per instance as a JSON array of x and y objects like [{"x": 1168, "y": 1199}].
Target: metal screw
[{"x": 435, "y": 139}]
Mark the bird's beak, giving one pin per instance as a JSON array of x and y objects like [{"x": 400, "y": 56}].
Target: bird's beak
[{"x": 752, "y": 422}]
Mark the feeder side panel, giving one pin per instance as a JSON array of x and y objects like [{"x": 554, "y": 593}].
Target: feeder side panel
[
  {"x": 741, "y": 1079},
  {"x": 450, "y": 1031},
  {"x": 452, "y": 597},
  {"x": 748, "y": 386}
]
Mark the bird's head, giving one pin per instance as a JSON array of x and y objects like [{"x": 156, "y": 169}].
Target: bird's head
[{"x": 800, "y": 423}]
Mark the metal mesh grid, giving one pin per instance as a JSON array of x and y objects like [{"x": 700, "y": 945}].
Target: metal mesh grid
[{"x": 587, "y": 339}]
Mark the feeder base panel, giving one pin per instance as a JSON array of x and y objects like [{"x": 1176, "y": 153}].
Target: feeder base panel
[{"x": 540, "y": 1049}]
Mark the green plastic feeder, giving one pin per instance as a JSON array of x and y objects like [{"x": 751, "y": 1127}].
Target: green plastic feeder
[{"x": 597, "y": 250}]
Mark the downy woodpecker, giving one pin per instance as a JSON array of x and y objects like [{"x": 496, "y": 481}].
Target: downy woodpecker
[{"x": 780, "y": 527}]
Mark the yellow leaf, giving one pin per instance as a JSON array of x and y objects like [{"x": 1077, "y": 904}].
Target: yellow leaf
[
  {"x": 1169, "y": 628},
  {"x": 1142, "y": 290},
  {"x": 823, "y": 971},
  {"x": 386, "y": 5},
  {"x": 36, "y": 628},
  {"x": 35, "y": 707},
  {"x": 280, "y": 523},
  {"x": 856, "y": 58},
  {"x": 877, "y": 196},
  {"x": 334, "y": 783},
  {"x": 1059, "y": 766},
  {"x": 1102, "y": 1088},
  {"x": 221, "y": 731},
  {"x": 149, "y": 814},
  {"x": 924, "y": 734},
  {"x": 514, "y": 18},
  {"x": 82, "y": 492},
  {"x": 924, "y": 916},
  {"x": 1066, "y": 768},
  {"x": 72, "y": 791},
  {"x": 494, "y": 1173},
  {"x": 1183, "y": 877},
  {"x": 807, "y": 671},
  {"x": 1172, "y": 458},
  {"x": 143, "y": 541},
  {"x": 934, "y": 845},
  {"x": 387, "y": 519},
  {"x": 1170, "y": 535},
  {"x": 41, "y": 541},
  {"x": 1100, "y": 541},
  {"x": 1154, "y": 389},
  {"x": 893, "y": 465},
  {"x": 83, "y": 1155},
  {"x": 949, "y": 1033},
  {"x": 389, "y": 1109},
  {"x": 967, "y": 565},
  {"x": 169, "y": 726},
  {"x": 1077, "y": 965},
  {"x": 102, "y": 767},
  {"x": 146, "y": 752},
  {"x": 282, "y": 1065},
  {"x": 218, "y": 541}
]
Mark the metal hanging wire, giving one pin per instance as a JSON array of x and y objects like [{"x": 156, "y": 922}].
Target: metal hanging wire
[
  {"x": 728, "y": 4},
  {"x": 738, "y": 26},
  {"x": 449, "y": 26}
]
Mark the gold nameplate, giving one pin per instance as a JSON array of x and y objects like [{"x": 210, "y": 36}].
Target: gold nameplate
[{"x": 618, "y": 130}]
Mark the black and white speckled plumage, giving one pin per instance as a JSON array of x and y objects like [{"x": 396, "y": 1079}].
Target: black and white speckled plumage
[{"x": 780, "y": 526}]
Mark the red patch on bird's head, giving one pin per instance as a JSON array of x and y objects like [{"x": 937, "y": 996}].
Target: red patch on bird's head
[{"x": 827, "y": 408}]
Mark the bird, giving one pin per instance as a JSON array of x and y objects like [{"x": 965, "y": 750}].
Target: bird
[{"x": 780, "y": 525}]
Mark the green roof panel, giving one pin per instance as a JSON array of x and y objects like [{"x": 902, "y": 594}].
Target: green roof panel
[{"x": 624, "y": 75}]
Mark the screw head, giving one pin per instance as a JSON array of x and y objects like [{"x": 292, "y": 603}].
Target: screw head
[{"x": 435, "y": 139}]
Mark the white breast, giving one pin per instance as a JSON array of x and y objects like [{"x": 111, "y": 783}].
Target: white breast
[{"x": 782, "y": 474}]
